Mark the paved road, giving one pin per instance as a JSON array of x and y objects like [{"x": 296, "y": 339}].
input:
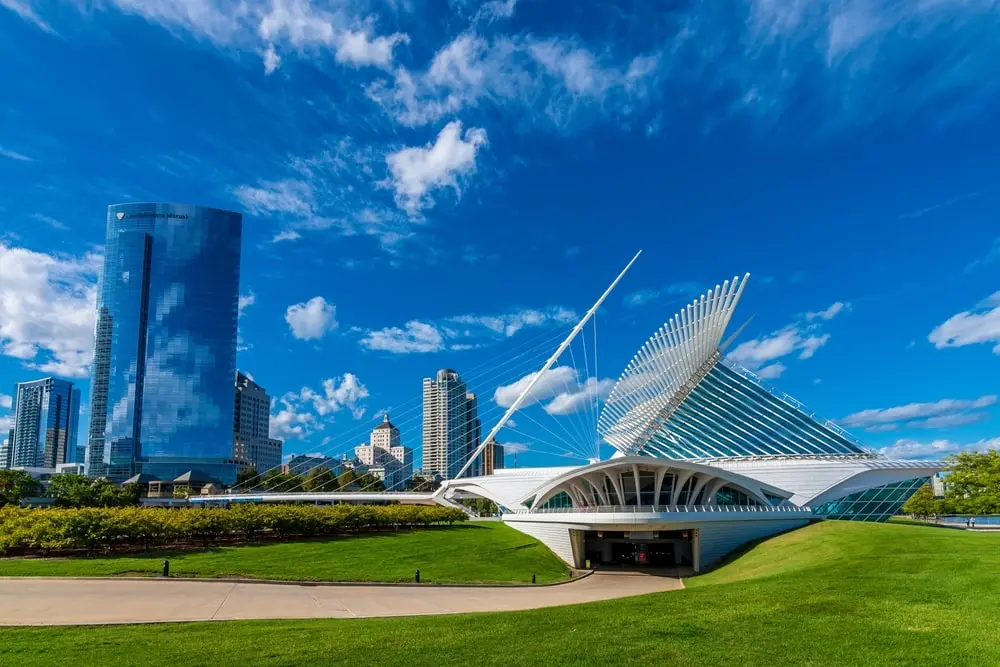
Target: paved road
[{"x": 40, "y": 601}]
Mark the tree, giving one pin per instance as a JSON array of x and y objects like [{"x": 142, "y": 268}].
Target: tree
[
  {"x": 70, "y": 490},
  {"x": 424, "y": 484},
  {"x": 248, "y": 477},
  {"x": 345, "y": 479},
  {"x": 15, "y": 485},
  {"x": 369, "y": 482},
  {"x": 922, "y": 503},
  {"x": 282, "y": 482},
  {"x": 974, "y": 483},
  {"x": 320, "y": 478}
]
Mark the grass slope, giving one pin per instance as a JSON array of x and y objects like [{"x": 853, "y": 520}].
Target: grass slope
[
  {"x": 479, "y": 552},
  {"x": 830, "y": 594}
]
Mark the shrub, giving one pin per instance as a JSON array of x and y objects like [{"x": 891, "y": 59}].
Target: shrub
[{"x": 115, "y": 528}]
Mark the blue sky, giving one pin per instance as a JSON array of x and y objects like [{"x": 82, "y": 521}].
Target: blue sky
[{"x": 447, "y": 184}]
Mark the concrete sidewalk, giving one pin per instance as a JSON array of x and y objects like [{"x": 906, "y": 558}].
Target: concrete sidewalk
[{"x": 40, "y": 601}]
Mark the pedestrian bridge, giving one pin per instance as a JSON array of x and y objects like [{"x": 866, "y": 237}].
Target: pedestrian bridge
[{"x": 406, "y": 498}]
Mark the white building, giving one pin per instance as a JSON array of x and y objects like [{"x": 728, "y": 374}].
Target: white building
[
  {"x": 385, "y": 456},
  {"x": 252, "y": 445}
]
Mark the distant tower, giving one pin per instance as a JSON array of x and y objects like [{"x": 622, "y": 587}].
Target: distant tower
[
  {"x": 451, "y": 425},
  {"x": 46, "y": 417},
  {"x": 492, "y": 457},
  {"x": 385, "y": 450},
  {"x": 252, "y": 445}
]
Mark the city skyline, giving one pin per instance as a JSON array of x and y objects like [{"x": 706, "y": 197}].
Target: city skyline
[{"x": 394, "y": 231}]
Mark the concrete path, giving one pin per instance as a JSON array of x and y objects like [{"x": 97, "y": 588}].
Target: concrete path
[{"x": 43, "y": 601}]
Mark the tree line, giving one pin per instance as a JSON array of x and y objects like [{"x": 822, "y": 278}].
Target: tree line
[{"x": 972, "y": 487}]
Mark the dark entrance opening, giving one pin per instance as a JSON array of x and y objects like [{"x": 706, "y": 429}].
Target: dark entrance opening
[{"x": 639, "y": 549}]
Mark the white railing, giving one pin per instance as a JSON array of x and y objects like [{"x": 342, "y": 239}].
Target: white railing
[{"x": 669, "y": 509}]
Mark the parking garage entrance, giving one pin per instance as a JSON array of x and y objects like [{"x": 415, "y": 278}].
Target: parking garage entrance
[{"x": 639, "y": 549}]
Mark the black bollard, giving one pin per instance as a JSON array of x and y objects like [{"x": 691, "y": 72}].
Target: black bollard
[
  {"x": 532, "y": 577},
  {"x": 166, "y": 568},
  {"x": 417, "y": 578}
]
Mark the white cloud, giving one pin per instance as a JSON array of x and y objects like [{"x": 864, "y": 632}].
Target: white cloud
[
  {"x": 271, "y": 59},
  {"x": 556, "y": 80},
  {"x": 463, "y": 332},
  {"x": 287, "y": 235},
  {"x": 913, "y": 449},
  {"x": 246, "y": 300},
  {"x": 51, "y": 222},
  {"x": 644, "y": 296},
  {"x": 580, "y": 397},
  {"x": 829, "y": 313},
  {"x": 313, "y": 319},
  {"x": 514, "y": 448},
  {"x": 47, "y": 309},
  {"x": 14, "y": 155},
  {"x": 772, "y": 371},
  {"x": 6, "y": 422},
  {"x": 971, "y": 327},
  {"x": 555, "y": 381},
  {"x": 417, "y": 171},
  {"x": 494, "y": 10},
  {"x": 417, "y": 336},
  {"x": 290, "y": 423},
  {"x": 938, "y": 414},
  {"x": 287, "y": 196},
  {"x": 992, "y": 255},
  {"x": 359, "y": 49},
  {"x": 346, "y": 391},
  {"x": 6, "y": 401}
]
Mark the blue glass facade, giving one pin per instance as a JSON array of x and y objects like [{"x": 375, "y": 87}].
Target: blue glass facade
[
  {"x": 877, "y": 504},
  {"x": 730, "y": 415},
  {"x": 165, "y": 342},
  {"x": 46, "y": 419}
]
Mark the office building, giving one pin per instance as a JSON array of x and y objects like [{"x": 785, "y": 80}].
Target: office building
[
  {"x": 6, "y": 450},
  {"x": 385, "y": 456},
  {"x": 252, "y": 445},
  {"x": 165, "y": 343},
  {"x": 46, "y": 419},
  {"x": 451, "y": 425}
]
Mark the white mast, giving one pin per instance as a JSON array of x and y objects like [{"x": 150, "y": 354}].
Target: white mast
[{"x": 548, "y": 364}]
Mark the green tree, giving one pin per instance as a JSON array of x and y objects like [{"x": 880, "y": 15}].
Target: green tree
[
  {"x": 71, "y": 490},
  {"x": 346, "y": 479},
  {"x": 282, "y": 482},
  {"x": 974, "y": 483},
  {"x": 320, "y": 478},
  {"x": 369, "y": 482},
  {"x": 922, "y": 503},
  {"x": 15, "y": 485},
  {"x": 248, "y": 477}
]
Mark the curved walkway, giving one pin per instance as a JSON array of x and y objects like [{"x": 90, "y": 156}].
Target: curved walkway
[{"x": 43, "y": 601}]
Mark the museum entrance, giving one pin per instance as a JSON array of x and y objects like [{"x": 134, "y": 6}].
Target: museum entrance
[{"x": 639, "y": 549}]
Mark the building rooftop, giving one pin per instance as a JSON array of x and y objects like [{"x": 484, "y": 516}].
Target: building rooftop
[{"x": 385, "y": 422}]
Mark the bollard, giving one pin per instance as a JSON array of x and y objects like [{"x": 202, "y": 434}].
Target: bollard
[
  {"x": 166, "y": 568},
  {"x": 532, "y": 577},
  {"x": 417, "y": 578}
]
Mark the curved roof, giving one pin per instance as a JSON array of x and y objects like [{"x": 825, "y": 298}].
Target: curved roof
[
  {"x": 586, "y": 485},
  {"x": 670, "y": 362}
]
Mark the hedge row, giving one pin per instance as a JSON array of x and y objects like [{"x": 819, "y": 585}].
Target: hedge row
[{"x": 120, "y": 528}]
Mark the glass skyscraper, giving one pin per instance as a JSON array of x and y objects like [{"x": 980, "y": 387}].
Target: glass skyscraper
[
  {"x": 451, "y": 425},
  {"x": 165, "y": 343},
  {"x": 46, "y": 418}
]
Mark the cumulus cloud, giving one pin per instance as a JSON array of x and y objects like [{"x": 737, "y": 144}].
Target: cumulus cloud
[
  {"x": 514, "y": 447},
  {"x": 802, "y": 338},
  {"x": 6, "y": 401},
  {"x": 971, "y": 327},
  {"x": 417, "y": 171},
  {"x": 246, "y": 300},
  {"x": 560, "y": 386},
  {"x": 360, "y": 49},
  {"x": 47, "y": 309},
  {"x": 311, "y": 320},
  {"x": 292, "y": 423},
  {"x": 416, "y": 336},
  {"x": 935, "y": 449},
  {"x": 945, "y": 413},
  {"x": 346, "y": 391}
]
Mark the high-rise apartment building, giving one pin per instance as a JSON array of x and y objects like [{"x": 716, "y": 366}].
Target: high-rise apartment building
[
  {"x": 46, "y": 418},
  {"x": 6, "y": 449},
  {"x": 385, "y": 451},
  {"x": 492, "y": 457},
  {"x": 252, "y": 444},
  {"x": 165, "y": 343},
  {"x": 451, "y": 427}
]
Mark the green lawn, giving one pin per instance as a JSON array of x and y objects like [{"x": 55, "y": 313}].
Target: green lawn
[
  {"x": 832, "y": 593},
  {"x": 478, "y": 552}
]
